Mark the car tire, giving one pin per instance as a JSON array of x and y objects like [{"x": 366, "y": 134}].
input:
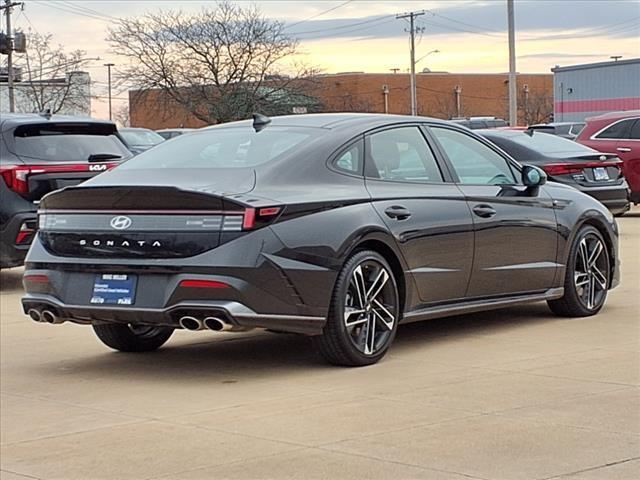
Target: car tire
[
  {"x": 360, "y": 327},
  {"x": 586, "y": 279},
  {"x": 129, "y": 338}
]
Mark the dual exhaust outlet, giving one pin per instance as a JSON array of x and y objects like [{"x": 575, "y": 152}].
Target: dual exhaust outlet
[
  {"x": 44, "y": 316},
  {"x": 212, "y": 323},
  {"x": 188, "y": 323}
]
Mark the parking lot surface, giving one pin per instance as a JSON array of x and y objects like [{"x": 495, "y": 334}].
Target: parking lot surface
[{"x": 511, "y": 394}]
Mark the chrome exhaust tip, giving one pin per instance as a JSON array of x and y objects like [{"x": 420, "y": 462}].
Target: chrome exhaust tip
[
  {"x": 35, "y": 315},
  {"x": 216, "y": 324},
  {"x": 190, "y": 323},
  {"x": 50, "y": 317}
]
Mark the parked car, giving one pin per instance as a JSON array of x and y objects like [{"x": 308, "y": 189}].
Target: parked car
[
  {"x": 475, "y": 123},
  {"x": 168, "y": 133},
  {"x": 565, "y": 161},
  {"x": 338, "y": 226},
  {"x": 41, "y": 153},
  {"x": 568, "y": 130},
  {"x": 139, "y": 140},
  {"x": 619, "y": 133}
]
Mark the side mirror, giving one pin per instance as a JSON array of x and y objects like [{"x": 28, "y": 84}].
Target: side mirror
[{"x": 533, "y": 176}]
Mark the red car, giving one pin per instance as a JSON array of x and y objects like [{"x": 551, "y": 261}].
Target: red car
[{"x": 619, "y": 133}]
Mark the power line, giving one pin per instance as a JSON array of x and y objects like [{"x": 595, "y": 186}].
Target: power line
[
  {"x": 69, "y": 10},
  {"x": 318, "y": 14},
  {"x": 348, "y": 25},
  {"x": 344, "y": 33}
]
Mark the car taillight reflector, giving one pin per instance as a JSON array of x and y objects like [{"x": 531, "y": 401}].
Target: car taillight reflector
[
  {"x": 568, "y": 168},
  {"x": 35, "y": 278},
  {"x": 254, "y": 218},
  {"x": 202, "y": 284},
  {"x": 17, "y": 176}
]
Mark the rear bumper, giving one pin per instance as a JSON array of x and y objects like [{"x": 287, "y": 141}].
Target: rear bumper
[
  {"x": 233, "y": 313},
  {"x": 615, "y": 198}
]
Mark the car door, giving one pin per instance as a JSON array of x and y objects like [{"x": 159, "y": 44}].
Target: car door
[
  {"x": 428, "y": 217},
  {"x": 628, "y": 149},
  {"x": 515, "y": 226}
]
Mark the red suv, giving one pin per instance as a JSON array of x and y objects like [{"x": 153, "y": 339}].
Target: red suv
[{"x": 619, "y": 133}]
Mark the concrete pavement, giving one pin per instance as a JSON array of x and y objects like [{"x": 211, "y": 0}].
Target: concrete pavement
[{"x": 512, "y": 394}]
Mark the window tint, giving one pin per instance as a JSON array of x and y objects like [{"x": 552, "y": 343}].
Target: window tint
[
  {"x": 239, "y": 147},
  {"x": 617, "y": 130},
  {"x": 350, "y": 160},
  {"x": 635, "y": 131},
  {"x": 473, "y": 162},
  {"x": 547, "y": 143},
  {"x": 402, "y": 154}
]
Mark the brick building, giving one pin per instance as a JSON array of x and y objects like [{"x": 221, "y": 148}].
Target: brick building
[{"x": 440, "y": 94}]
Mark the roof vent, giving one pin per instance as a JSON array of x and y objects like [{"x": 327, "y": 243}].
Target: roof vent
[{"x": 46, "y": 113}]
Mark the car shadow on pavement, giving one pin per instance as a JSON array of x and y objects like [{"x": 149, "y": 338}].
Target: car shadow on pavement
[
  {"x": 11, "y": 280},
  {"x": 262, "y": 355}
]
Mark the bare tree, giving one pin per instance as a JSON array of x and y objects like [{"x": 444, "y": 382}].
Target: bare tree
[
  {"x": 536, "y": 105},
  {"x": 220, "y": 64},
  {"x": 52, "y": 78},
  {"x": 121, "y": 115}
]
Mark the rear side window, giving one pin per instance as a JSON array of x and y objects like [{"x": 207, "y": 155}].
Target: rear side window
[
  {"x": 67, "y": 142},
  {"x": 222, "y": 148},
  {"x": 617, "y": 130},
  {"x": 350, "y": 160},
  {"x": 402, "y": 154}
]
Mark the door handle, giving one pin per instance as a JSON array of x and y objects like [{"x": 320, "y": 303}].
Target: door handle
[
  {"x": 484, "y": 211},
  {"x": 623, "y": 149},
  {"x": 398, "y": 212}
]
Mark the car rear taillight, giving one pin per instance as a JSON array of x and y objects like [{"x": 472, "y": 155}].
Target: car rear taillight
[
  {"x": 202, "y": 284},
  {"x": 26, "y": 233},
  {"x": 569, "y": 168},
  {"x": 16, "y": 177},
  {"x": 259, "y": 217}
]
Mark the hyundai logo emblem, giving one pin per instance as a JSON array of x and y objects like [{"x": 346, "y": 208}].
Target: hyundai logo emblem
[{"x": 120, "y": 223}]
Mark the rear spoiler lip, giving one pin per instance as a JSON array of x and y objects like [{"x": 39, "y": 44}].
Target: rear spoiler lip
[{"x": 229, "y": 199}]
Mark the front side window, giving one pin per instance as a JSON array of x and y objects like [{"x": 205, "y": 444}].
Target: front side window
[
  {"x": 403, "y": 155},
  {"x": 617, "y": 130},
  {"x": 635, "y": 131},
  {"x": 473, "y": 161}
]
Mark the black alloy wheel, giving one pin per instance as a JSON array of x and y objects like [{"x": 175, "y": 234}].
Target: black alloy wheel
[
  {"x": 364, "y": 312},
  {"x": 587, "y": 276}
]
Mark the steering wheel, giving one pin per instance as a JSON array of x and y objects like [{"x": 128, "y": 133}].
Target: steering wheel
[{"x": 500, "y": 179}]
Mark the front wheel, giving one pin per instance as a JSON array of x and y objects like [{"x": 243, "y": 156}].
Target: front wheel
[
  {"x": 587, "y": 276},
  {"x": 364, "y": 312},
  {"x": 132, "y": 338}
]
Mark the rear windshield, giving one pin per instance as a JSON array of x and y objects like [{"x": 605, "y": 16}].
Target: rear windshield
[
  {"x": 549, "y": 144},
  {"x": 67, "y": 143},
  {"x": 140, "y": 138},
  {"x": 222, "y": 148}
]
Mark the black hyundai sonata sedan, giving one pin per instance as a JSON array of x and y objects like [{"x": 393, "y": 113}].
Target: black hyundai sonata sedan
[{"x": 336, "y": 226}]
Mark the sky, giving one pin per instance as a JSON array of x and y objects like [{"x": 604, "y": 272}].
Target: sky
[{"x": 364, "y": 35}]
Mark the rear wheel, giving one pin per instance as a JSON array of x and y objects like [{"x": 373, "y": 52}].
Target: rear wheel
[
  {"x": 132, "y": 338},
  {"x": 587, "y": 276},
  {"x": 364, "y": 312}
]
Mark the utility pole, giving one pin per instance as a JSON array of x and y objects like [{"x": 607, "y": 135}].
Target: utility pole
[
  {"x": 513, "y": 101},
  {"x": 109, "y": 65},
  {"x": 8, "y": 5},
  {"x": 412, "y": 34}
]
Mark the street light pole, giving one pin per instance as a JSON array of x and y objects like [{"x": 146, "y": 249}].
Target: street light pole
[
  {"x": 109, "y": 65},
  {"x": 513, "y": 101}
]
